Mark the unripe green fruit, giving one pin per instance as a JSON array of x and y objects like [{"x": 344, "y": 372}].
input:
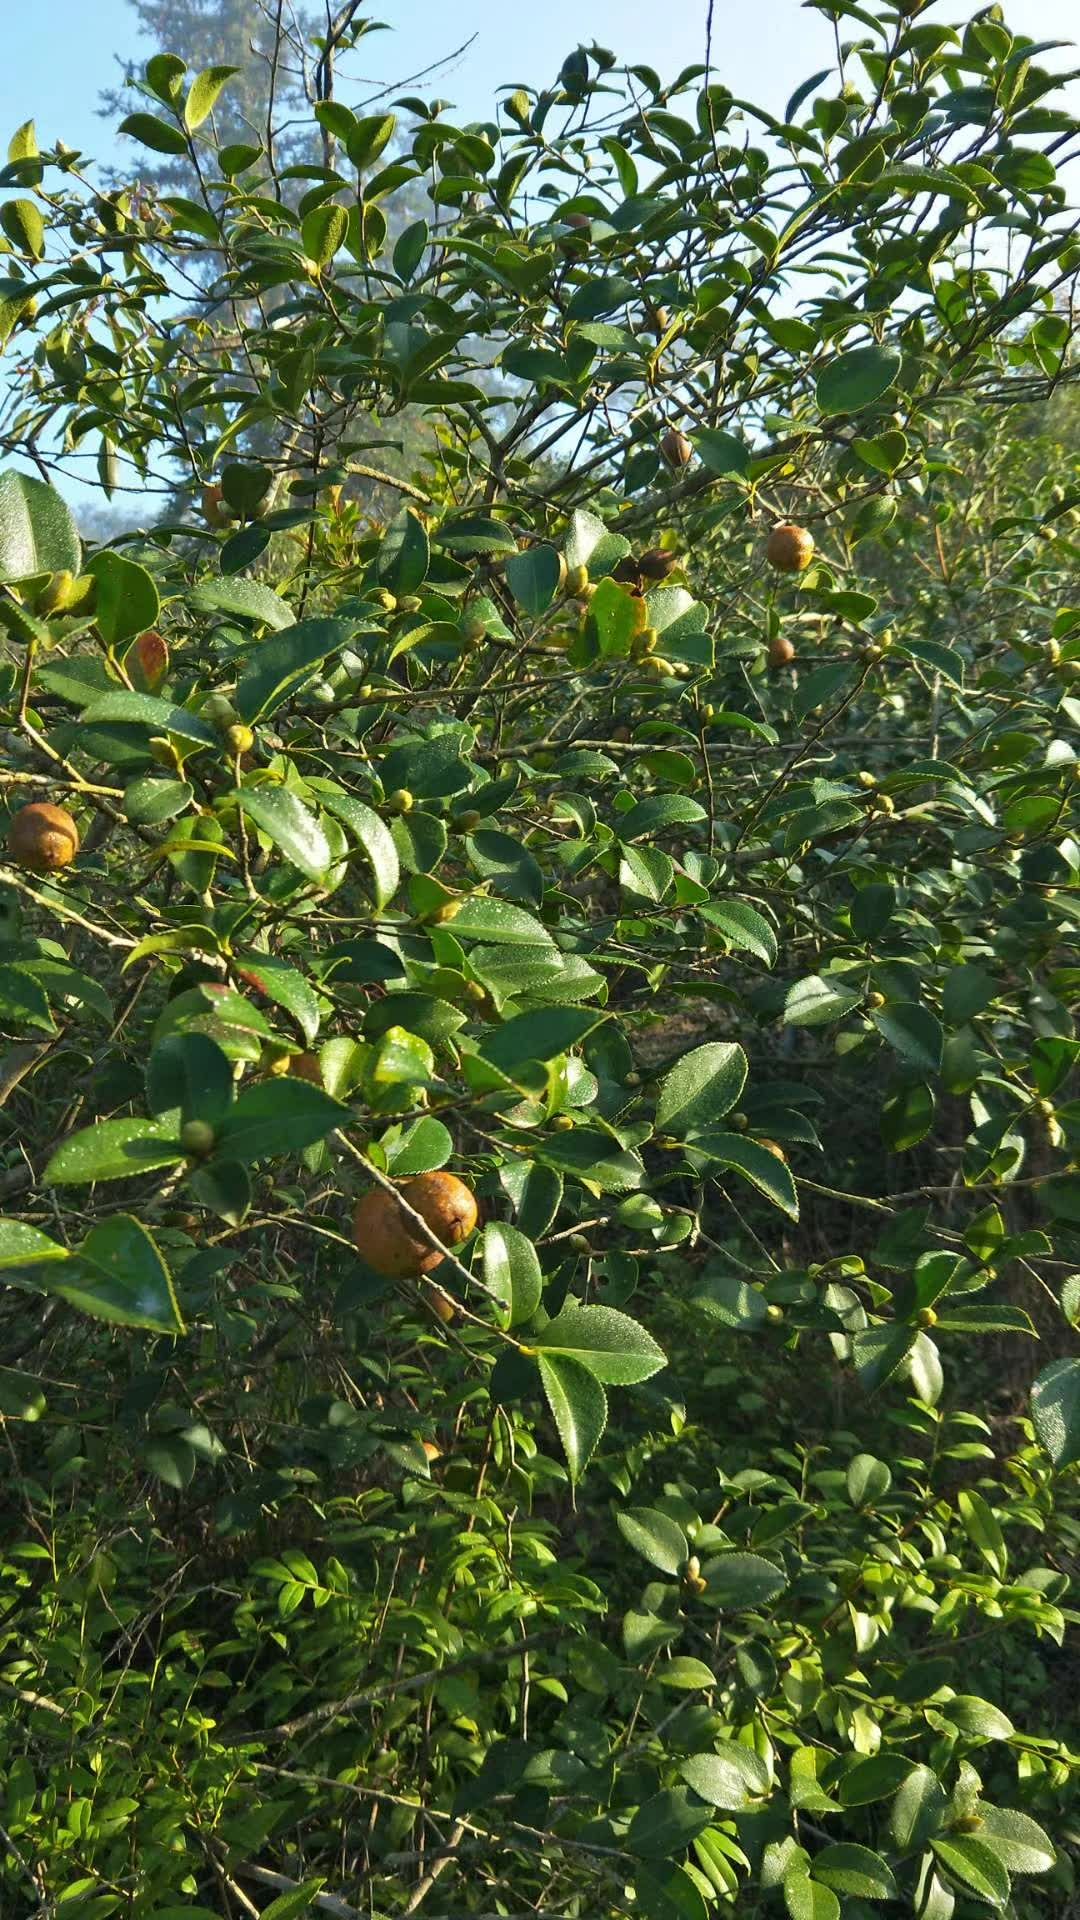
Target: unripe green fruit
[
  {"x": 197, "y": 1137},
  {"x": 738, "y": 1122},
  {"x": 774, "y": 1313},
  {"x": 867, "y": 780},
  {"x": 875, "y": 1000},
  {"x": 577, "y": 579},
  {"x": 410, "y": 603},
  {"x": 926, "y": 1318},
  {"x": 562, "y": 1122},
  {"x": 400, "y": 801},
  {"x": 239, "y": 739},
  {"x": 474, "y": 630},
  {"x": 382, "y": 597},
  {"x": 465, "y": 822},
  {"x": 579, "y": 1243}
]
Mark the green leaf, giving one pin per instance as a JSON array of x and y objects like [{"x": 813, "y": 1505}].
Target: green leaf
[
  {"x": 118, "y": 1274},
  {"x": 247, "y": 598},
  {"x": 721, "y": 452},
  {"x": 323, "y": 231},
  {"x": 127, "y": 600},
  {"x": 868, "y": 1480},
  {"x": 666, "y": 1823},
  {"x": 685, "y": 1674},
  {"x": 907, "y": 1115},
  {"x": 578, "y": 1407},
  {"x": 1055, "y": 1409},
  {"x": 21, "y": 1397},
  {"x": 967, "y": 991},
  {"x": 731, "y": 1778},
  {"x": 511, "y": 1272},
  {"x": 533, "y": 578},
  {"x": 291, "y": 826},
  {"x": 876, "y": 1778},
  {"x": 659, "y": 1539},
  {"x": 37, "y": 531},
  {"x": 375, "y": 840},
  {"x": 421, "y": 1148},
  {"x": 159, "y": 716},
  {"x": 744, "y": 927},
  {"x": 732, "y": 1302},
  {"x": 203, "y": 94},
  {"x": 24, "y": 227},
  {"x": 152, "y": 132},
  {"x": 282, "y": 666},
  {"x": 367, "y": 140},
  {"x": 113, "y": 1150},
  {"x": 189, "y": 1074},
  {"x": 658, "y": 814},
  {"x": 982, "y": 1530},
  {"x": 816, "y": 1002},
  {"x": 805, "y": 1899},
  {"x": 856, "y": 379},
  {"x": 848, "y": 1868},
  {"x": 537, "y": 1036},
  {"x": 24, "y": 1246},
  {"x": 614, "y": 1348},
  {"x": 970, "y": 1860},
  {"x": 284, "y": 986},
  {"x": 701, "y": 1087},
  {"x": 404, "y": 554},
  {"x": 496, "y": 920},
  {"x": 23, "y": 1002},
  {"x": 740, "y": 1580},
  {"x": 763, "y": 1168},
  {"x": 914, "y": 1032},
  {"x": 1017, "y": 1840},
  {"x": 297, "y": 1900},
  {"x": 880, "y": 1352},
  {"x": 277, "y": 1117},
  {"x": 151, "y": 801},
  {"x": 918, "y": 1809}
]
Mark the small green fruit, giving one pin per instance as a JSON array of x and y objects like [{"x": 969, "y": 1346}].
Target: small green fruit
[
  {"x": 400, "y": 801},
  {"x": 197, "y": 1137}
]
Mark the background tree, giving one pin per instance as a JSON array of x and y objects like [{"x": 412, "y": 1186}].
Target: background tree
[{"x": 540, "y": 1038}]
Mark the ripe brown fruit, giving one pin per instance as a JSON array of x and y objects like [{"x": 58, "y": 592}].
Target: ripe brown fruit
[
  {"x": 773, "y": 1147},
  {"x": 781, "y": 651},
  {"x": 676, "y": 449},
  {"x": 441, "y": 1305},
  {"x": 148, "y": 661},
  {"x": 214, "y": 510},
  {"x": 42, "y": 837},
  {"x": 385, "y": 1236},
  {"x": 305, "y": 1066},
  {"x": 657, "y": 563},
  {"x": 789, "y": 548}
]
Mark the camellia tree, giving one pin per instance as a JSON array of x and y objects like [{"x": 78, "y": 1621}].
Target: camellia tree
[{"x": 539, "y": 1078}]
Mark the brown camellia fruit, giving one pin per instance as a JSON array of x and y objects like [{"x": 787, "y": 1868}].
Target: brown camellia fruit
[
  {"x": 657, "y": 563},
  {"x": 305, "y": 1066},
  {"x": 789, "y": 548},
  {"x": 773, "y": 1147},
  {"x": 214, "y": 510},
  {"x": 676, "y": 449},
  {"x": 42, "y": 837},
  {"x": 385, "y": 1237},
  {"x": 781, "y": 651},
  {"x": 148, "y": 661}
]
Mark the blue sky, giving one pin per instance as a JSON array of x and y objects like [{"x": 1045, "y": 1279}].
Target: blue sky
[{"x": 59, "y": 54}]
